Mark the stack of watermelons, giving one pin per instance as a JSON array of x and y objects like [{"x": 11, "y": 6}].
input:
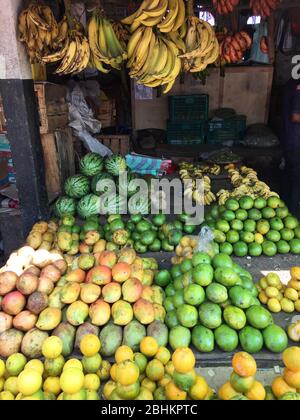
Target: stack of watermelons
[{"x": 84, "y": 192}]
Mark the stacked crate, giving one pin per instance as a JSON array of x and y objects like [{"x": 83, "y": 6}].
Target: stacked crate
[
  {"x": 226, "y": 130},
  {"x": 188, "y": 115}
]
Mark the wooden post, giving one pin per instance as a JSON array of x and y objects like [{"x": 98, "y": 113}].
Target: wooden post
[{"x": 20, "y": 108}]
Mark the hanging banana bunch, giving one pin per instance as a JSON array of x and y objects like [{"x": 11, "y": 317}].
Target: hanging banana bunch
[
  {"x": 40, "y": 32},
  {"x": 106, "y": 49},
  {"x": 153, "y": 59},
  {"x": 202, "y": 46},
  {"x": 166, "y": 15}
]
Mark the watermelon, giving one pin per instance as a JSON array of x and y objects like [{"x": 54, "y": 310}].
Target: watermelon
[
  {"x": 113, "y": 204},
  {"x": 65, "y": 206},
  {"x": 115, "y": 164},
  {"x": 139, "y": 205},
  {"x": 91, "y": 164},
  {"x": 88, "y": 206},
  {"x": 77, "y": 186},
  {"x": 99, "y": 187},
  {"x": 127, "y": 186}
]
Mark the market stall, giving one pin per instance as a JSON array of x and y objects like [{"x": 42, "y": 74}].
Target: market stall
[{"x": 149, "y": 252}]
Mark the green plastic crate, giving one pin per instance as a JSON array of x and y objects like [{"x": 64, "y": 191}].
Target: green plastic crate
[
  {"x": 185, "y": 134},
  {"x": 189, "y": 107},
  {"x": 232, "y": 129}
]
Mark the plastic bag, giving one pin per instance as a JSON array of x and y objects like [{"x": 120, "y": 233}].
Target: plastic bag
[
  {"x": 206, "y": 241},
  {"x": 257, "y": 55},
  {"x": 260, "y": 135},
  {"x": 80, "y": 113}
]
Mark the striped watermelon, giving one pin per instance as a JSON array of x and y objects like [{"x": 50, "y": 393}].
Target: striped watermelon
[
  {"x": 113, "y": 204},
  {"x": 139, "y": 206},
  {"x": 128, "y": 188},
  {"x": 77, "y": 186},
  {"x": 88, "y": 206},
  {"x": 99, "y": 187},
  {"x": 65, "y": 206},
  {"x": 91, "y": 164},
  {"x": 115, "y": 164}
]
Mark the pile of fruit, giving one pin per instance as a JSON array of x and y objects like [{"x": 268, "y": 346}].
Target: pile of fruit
[
  {"x": 98, "y": 178},
  {"x": 254, "y": 227},
  {"x": 55, "y": 378},
  {"x": 279, "y": 297},
  {"x": 217, "y": 300},
  {"x": 242, "y": 384},
  {"x": 287, "y": 386},
  {"x": 245, "y": 182},
  {"x": 152, "y": 374}
]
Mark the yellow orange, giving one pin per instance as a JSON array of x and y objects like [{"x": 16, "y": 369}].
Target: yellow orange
[
  {"x": 183, "y": 360},
  {"x": 244, "y": 364}
]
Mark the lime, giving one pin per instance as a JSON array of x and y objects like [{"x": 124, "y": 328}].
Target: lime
[
  {"x": 189, "y": 229},
  {"x": 203, "y": 274},
  {"x": 282, "y": 212},
  {"x": 203, "y": 339},
  {"x": 237, "y": 225},
  {"x": 295, "y": 246},
  {"x": 232, "y": 237},
  {"x": 232, "y": 204},
  {"x": 220, "y": 237},
  {"x": 163, "y": 278},
  {"x": 291, "y": 222},
  {"x": 140, "y": 248},
  {"x": 148, "y": 237},
  {"x": 247, "y": 237},
  {"x": 228, "y": 215},
  {"x": 240, "y": 297},
  {"x": 159, "y": 219},
  {"x": 210, "y": 315},
  {"x": 169, "y": 304},
  {"x": 136, "y": 236},
  {"x": 143, "y": 226},
  {"x": 155, "y": 246},
  {"x": 186, "y": 265},
  {"x": 175, "y": 271},
  {"x": 226, "y": 248},
  {"x": 178, "y": 283},
  {"x": 268, "y": 213},
  {"x": 222, "y": 261},
  {"x": 171, "y": 319},
  {"x": 259, "y": 317},
  {"x": 269, "y": 249},
  {"x": 250, "y": 226},
  {"x": 273, "y": 236},
  {"x": 275, "y": 339},
  {"x": 187, "y": 315},
  {"x": 200, "y": 258},
  {"x": 287, "y": 234},
  {"x": 223, "y": 226},
  {"x": 215, "y": 212},
  {"x": 255, "y": 250},
  {"x": 240, "y": 249},
  {"x": 283, "y": 247},
  {"x": 234, "y": 317},
  {"x": 263, "y": 227},
  {"x": 274, "y": 202},
  {"x": 174, "y": 237},
  {"x": 178, "y": 299},
  {"x": 254, "y": 214},
  {"x": 251, "y": 340},
  {"x": 178, "y": 225},
  {"x": 246, "y": 203},
  {"x": 183, "y": 217},
  {"x": 241, "y": 215},
  {"x": 276, "y": 224},
  {"x": 297, "y": 232},
  {"x": 216, "y": 293},
  {"x": 179, "y": 337},
  {"x": 226, "y": 338},
  {"x": 260, "y": 203},
  {"x": 117, "y": 225},
  {"x": 194, "y": 294}
]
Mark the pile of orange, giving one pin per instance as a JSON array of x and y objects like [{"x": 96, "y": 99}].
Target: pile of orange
[
  {"x": 287, "y": 386},
  {"x": 242, "y": 384}
]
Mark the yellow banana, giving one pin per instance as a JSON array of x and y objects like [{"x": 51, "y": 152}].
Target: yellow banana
[
  {"x": 159, "y": 11},
  {"x": 69, "y": 57},
  {"x": 134, "y": 40},
  {"x": 180, "y": 16},
  {"x": 57, "y": 56},
  {"x": 167, "y": 25}
]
